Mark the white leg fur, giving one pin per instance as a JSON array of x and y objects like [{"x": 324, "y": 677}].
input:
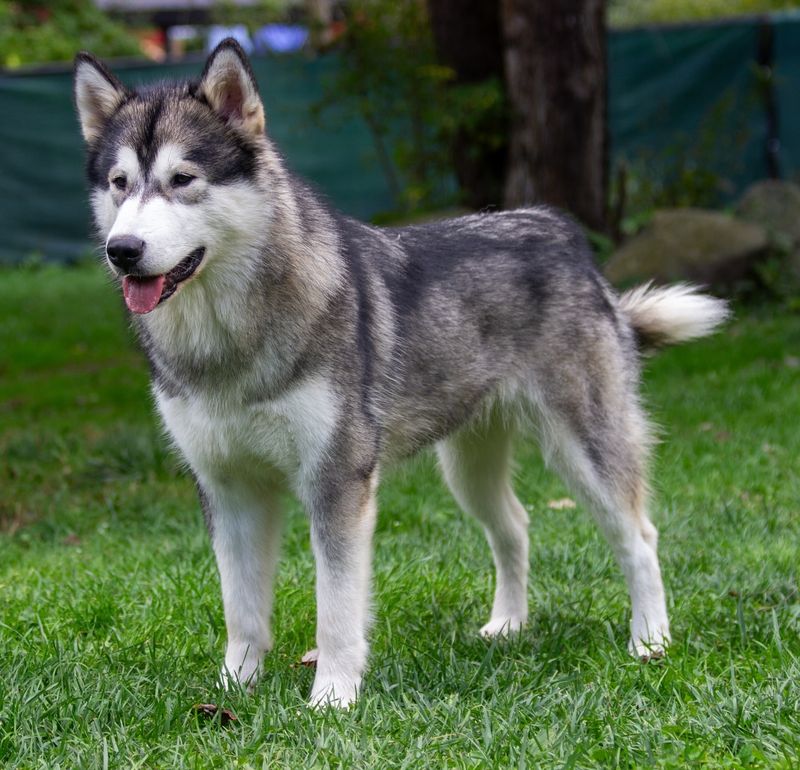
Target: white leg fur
[
  {"x": 649, "y": 622},
  {"x": 343, "y": 590},
  {"x": 246, "y": 530},
  {"x": 476, "y": 464},
  {"x": 623, "y": 519}
]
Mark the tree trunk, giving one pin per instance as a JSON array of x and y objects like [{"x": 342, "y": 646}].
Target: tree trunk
[
  {"x": 555, "y": 63},
  {"x": 468, "y": 39}
]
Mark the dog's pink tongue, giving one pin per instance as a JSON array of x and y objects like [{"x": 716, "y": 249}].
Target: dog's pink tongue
[{"x": 142, "y": 294}]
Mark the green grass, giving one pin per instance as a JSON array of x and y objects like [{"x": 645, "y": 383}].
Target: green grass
[{"x": 111, "y": 624}]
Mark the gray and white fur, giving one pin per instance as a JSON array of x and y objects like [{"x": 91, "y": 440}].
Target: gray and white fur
[{"x": 295, "y": 348}]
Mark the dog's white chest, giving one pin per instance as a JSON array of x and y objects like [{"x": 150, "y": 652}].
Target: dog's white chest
[{"x": 223, "y": 436}]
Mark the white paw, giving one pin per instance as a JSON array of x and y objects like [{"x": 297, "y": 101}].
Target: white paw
[
  {"x": 231, "y": 680},
  {"x": 310, "y": 658},
  {"x": 336, "y": 692},
  {"x": 241, "y": 668},
  {"x": 502, "y": 627},
  {"x": 653, "y": 648}
]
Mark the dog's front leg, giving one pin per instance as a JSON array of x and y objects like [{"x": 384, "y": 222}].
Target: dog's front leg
[
  {"x": 245, "y": 527},
  {"x": 342, "y": 523}
]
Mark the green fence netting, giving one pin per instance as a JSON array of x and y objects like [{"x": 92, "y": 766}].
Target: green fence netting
[
  {"x": 787, "y": 81},
  {"x": 686, "y": 106},
  {"x": 686, "y": 102}
]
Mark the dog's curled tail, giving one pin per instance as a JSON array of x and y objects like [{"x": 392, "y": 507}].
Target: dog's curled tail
[{"x": 673, "y": 314}]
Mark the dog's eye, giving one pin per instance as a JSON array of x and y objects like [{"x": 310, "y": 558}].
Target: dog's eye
[
  {"x": 120, "y": 182},
  {"x": 181, "y": 180}
]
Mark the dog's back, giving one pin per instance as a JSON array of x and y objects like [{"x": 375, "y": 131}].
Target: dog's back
[{"x": 476, "y": 309}]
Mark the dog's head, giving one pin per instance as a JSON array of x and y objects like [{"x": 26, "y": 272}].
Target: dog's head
[{"x": 173, "y": 170}]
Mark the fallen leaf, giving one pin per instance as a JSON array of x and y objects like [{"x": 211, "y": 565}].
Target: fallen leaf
[
  {"x": 309, "y": 659},
  {"x": 210, "y": 710},
  {"x": 559, "y": 505}
]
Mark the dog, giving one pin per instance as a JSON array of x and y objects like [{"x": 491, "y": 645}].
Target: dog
[{"x": 294, "y": 348}]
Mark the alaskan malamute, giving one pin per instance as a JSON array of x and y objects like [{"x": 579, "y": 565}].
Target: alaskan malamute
[{"x": 292, "y": 347}]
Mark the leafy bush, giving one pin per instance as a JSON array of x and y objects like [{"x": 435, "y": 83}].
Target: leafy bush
[
  {"x": 390, "y": 77},
  {"x": 33, "y": 32}
]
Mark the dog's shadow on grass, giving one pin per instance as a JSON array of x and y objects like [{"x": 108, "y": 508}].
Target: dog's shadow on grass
[{"x": 436, "y": 654}]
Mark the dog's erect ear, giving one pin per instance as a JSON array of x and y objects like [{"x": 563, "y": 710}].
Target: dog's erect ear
[
  {"x": 98, "y": 94},
  {"x": 229, "y": 86}
]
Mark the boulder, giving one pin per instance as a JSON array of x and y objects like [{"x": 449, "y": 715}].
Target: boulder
[
  {"x": 775, "y": 205},
  {"x": 690, "y": 245}
]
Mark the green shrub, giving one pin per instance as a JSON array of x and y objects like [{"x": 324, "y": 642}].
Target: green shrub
[{"x": 37, "y": 32}]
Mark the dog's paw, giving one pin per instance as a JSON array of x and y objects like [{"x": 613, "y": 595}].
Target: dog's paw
[
  {"x": 649, "y": 649},
  {"x": 333, "y": 692},
  {"x": 242, "y": 668},
  {"x": 232, "y": 680},
  {"x": 502, "y": 628},
  {"x": 310, "y": 658}
]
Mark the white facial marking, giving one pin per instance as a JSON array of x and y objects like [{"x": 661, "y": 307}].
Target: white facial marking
[
  {"x": 106, "y": 199},
  {"x": 127, "y": 164},
  {"x": 167, "y": 228},
  {"x": 105, "y": 210},
  {"x": 227, "y": 220},
  {"x": 125, "y": 222},
  {"x": 168, "y": 161}
]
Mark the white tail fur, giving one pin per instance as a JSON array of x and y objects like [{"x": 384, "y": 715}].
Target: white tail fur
[{"x": 666, "y": 316}]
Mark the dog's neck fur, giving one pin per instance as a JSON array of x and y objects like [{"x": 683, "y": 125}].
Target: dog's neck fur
[{"x": 254, "y": 305}]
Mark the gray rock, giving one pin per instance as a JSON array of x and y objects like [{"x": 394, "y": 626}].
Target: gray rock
[
  {"x": 691, "y": 245},
  {"x": 775, "y": 205}
]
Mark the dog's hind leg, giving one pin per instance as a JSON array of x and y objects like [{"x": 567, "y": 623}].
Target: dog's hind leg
[
  {"x": 245, "y": 528},
  {"x": 595, "y": 434},
  {"x": 476, "y": 463}
]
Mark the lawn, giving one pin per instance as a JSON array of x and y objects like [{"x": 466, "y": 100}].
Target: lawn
[{"x": 111, "y": 627}]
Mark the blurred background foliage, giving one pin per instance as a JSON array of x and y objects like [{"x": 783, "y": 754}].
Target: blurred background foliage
[
  {"x": 33, "y": 32},
  {"x": 624, "y": 13},
  {"x": 37, "y": 32},
  {"x": 253, "y": 15},
  {"x": 391, "y": 78}
]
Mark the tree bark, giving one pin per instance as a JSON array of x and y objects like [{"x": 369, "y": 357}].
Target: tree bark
[
  {"x": 555, "y": 64},
  {"x": 468, "y": 39}
]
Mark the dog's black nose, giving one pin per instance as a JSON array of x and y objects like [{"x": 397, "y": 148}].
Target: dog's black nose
[{"x": 125, "y": 251}]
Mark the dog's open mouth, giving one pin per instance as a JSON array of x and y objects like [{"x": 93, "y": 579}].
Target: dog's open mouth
[{"x": 143, "y": 293}]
